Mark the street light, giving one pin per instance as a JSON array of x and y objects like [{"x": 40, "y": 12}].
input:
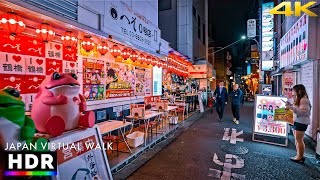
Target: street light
[{"x": 243, "y": 37}]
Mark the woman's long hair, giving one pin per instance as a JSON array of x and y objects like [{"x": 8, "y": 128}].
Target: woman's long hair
[{"x": 301, "y": 92}]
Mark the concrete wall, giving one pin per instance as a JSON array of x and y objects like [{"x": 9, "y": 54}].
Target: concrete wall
[
  {"x": 168, "y": 24},
  {"x": 199, "y": 48},
  {"x": 185, "y": 27}
]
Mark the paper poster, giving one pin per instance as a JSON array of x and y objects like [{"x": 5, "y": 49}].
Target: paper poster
[
  {"x": 12, "y": 64},
  {"x": 140, "y": 81},
  {"x": 53, "y": 65},
  {"x": 87, "y": 161},
  {"x": 264, "y": 116},
  {"x": 54, "y": 50},
  {"x": 119, "y": 76},
  {"x": 288, "y": 83},
  {"x": 70, "y": 54},
  {"x": 93, "y": 85}
]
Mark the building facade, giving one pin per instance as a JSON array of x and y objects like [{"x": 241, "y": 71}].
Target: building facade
[
  {"x": 184, "y": 24},
  {"x": 297, "y": 59}
]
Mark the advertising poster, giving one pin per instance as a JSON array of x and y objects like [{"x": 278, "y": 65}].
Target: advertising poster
[
  {"x": 120, "y": 80},
  {"x": 288, "y": 85},
  {"x": 93, "y": 86},
  {"x": 25, "y": 62},
  {"x": 267, "y": 89},
  {"x": 264, "y": 116},
  {"x": 87, "y": 161},
  {"x": 148, "y": 82},
  {"x": 140, "y": 75}
]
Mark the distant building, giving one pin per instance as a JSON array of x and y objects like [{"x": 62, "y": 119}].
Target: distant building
[{"x": 184, "y": 25}]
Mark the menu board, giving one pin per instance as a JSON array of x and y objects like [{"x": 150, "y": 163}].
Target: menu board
[
  {"x": 93, "y": 86},
  {"x": 264, "y": 116},
  {"x": 87, "y": 161},
  {"x": 157, "y": 81}
]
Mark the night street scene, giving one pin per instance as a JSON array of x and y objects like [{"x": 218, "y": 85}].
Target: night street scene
[{"x": 159, "y": 90}]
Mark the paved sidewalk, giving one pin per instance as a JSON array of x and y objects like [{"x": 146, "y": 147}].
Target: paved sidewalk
[{"x": 192, "y": 154}]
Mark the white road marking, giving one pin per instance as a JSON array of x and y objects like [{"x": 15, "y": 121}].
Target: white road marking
[
  {"x": 226, "y": 174},
  {"x": 233, "y": 138}
]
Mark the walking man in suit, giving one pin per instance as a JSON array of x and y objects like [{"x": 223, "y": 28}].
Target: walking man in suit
[
  {"x": 237, "y": 101},
  {"x": 221, "y": 97}
]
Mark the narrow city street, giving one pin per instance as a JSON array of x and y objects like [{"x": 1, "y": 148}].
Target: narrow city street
[{"x": 201, "y": 153}]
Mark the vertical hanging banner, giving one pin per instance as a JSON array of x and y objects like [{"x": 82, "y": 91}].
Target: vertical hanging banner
[
  {"x": 267, "y": 37},
  {"x": 251, "y": 28}
]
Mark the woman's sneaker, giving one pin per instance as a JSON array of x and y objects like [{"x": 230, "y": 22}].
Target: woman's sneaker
[{"x": 235, "y": 121}]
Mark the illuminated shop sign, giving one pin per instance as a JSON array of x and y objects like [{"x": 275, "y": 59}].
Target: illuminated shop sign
[{"x": 267, "y": 36}]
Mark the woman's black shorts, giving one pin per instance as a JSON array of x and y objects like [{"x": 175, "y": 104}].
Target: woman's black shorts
[{"x": 299, "y": 127}]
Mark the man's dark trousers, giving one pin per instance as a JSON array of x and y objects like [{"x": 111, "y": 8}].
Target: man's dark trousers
[
  {"x": 220, "y": 109},
  {"x": 236, "y": 111}
]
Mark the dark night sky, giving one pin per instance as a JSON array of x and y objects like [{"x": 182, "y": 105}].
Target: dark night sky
[{"x": 228, "y": 19}]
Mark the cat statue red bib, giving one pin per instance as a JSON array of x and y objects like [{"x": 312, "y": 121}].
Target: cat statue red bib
[{"x": 59, "y": 107}]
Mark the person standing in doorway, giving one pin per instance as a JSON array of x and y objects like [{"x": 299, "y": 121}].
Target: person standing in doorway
[
  {"x": 221, "y": 97},
  {"x": 237, "y": 101},
  {"x": 302, "y": 110}
]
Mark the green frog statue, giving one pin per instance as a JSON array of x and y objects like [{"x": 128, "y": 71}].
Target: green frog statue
[{"x": 15, "y": 127}]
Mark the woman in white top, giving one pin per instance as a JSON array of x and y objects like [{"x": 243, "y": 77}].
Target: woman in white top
[{"x": 302, "y": 110}]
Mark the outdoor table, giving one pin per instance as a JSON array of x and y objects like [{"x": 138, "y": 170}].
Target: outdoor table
[
  {"x": 112, "y": 125},
  {"x": 170, "y": 108},
  {"x": 184, "y": 105},
  {"x": 148, "y": 115}
]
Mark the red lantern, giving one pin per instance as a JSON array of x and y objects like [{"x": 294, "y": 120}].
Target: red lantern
[
  {"x": 87, "y": 43},
  {"x": 12, "y": 23},
  {"x": 45, "y": 32},
  {"x": 103, "y": 48},
  {"x": 158, "y": 64},
  {"x": 69, "y": 39},
  {"x": 141, "y": 58},
  {"x": 148, "y": 60},
  {"x": 115, "y": 51},
  {"x": 126, "y": 53},
  {"x": 154, "y": 61},
  {"x": 134, "y": 56}
]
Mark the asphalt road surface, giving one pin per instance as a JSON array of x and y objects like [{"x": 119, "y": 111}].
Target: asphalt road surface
[{"x": 200, "y": 153}]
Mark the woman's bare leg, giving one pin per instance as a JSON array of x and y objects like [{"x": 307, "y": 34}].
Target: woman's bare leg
[{"x": 300, "y": 144}]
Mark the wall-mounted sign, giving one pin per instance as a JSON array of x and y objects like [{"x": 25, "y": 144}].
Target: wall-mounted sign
[
  {"x": 198, "y": 71},
  {"x": 294, "y": 44},
  {"x": 255, "y": 54},
  {"x": 251, "y": 28},
  {"x": 267, "y": 89},
  {"x": 157, "y": 81},
  {"x": 126, "y": 23},
  {"x": 267, "y": 37}
]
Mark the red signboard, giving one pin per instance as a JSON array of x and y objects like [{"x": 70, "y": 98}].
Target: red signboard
[{"x": 119, "y": 93}]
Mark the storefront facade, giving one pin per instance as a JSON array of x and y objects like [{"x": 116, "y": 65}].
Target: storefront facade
[{"x": 299, "y": 64}]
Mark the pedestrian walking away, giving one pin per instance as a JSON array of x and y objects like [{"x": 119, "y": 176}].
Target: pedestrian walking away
[
  {"x": 221, "y": 99},
  {"x": 302, "y": 110},
  {"x": 236, "y": 103}
]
